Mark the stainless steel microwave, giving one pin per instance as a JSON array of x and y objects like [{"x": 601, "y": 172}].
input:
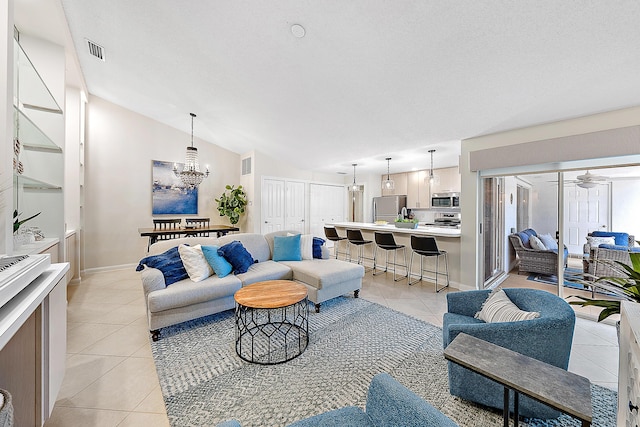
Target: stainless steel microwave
[{"x": 445, "y": 200}]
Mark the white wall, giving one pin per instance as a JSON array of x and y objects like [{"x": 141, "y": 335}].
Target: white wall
[
  {"x": 470, "y": 248},
  {"x": 119, "y": 149}
]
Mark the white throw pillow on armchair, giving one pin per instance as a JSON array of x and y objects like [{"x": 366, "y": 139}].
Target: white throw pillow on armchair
[{"x": 537, "y": 244}]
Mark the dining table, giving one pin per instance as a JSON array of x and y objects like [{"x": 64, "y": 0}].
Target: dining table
[{"x": 156, "y": 234}]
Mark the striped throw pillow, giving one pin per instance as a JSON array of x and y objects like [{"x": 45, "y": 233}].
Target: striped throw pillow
[{"x": 499, "y": 308}]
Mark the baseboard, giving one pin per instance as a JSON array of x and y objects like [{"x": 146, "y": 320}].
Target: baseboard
[{"x": 109, "y": 268}]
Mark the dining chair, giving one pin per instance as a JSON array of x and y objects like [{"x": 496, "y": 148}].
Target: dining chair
[
  {"x": 166, "y": 224},
  {"x": 332, "y": 234},
  {"x": 386, "y": 242},
  {"x": 426, "y": 246},
  {"x": 198, "y": 223},
  {"x": 355, "y": 238}
]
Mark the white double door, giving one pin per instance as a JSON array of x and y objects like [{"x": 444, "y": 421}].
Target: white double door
[{"x": 283, "y": 205}]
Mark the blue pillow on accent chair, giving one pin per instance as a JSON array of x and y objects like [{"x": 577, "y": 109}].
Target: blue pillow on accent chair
[
  {"x": 287, "y": 248},
  {"x": 169, "y": 263},
  {"x": 237, "y": 255},
  {"x": 220, "y": 265}
]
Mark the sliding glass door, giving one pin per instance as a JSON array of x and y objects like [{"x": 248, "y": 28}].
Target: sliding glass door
[{"x": 493, "y": 233}]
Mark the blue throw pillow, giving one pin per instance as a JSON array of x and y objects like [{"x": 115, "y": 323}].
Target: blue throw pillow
[
  {"x": 220, "y": 265},
  {"x": 287, "y": 248},
  {"x": 237, "y": 255},
  {"x": 317, "y": 247},
  {"x": 169, "y": 263},
  {"x": 525, "y": 239}
]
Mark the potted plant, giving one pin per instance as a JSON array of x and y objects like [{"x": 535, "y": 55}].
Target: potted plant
[
  {"x": 232, "y": 203},
  {"x": 406, "y": 223},
  {"x": 625, "y": 288}
]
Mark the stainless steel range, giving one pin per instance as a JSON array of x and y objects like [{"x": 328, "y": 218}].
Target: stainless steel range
[{"x": 446, "y": 219}]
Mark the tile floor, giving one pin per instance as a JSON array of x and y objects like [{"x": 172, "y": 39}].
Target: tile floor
[{"x": 111, "y": 378}]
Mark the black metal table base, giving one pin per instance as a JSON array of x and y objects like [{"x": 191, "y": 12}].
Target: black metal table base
[{"x": 269, "y": 336}]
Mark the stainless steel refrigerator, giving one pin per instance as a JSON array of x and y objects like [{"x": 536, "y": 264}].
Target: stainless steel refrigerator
[{"x": 387, "y": 208}]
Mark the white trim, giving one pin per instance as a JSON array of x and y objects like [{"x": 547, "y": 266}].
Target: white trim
[{"x": 108, "y": 268}]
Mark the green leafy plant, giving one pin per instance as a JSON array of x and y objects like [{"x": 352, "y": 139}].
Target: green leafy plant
[
  {"x": 625, "y": 288},
  {"x": 232, "y": 203},
  {"x": 413, "y": 220},
  {"x": 17, "y": 222}
]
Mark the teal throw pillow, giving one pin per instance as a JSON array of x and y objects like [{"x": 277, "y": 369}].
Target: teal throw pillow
[
  {"x": 237, "y": 255},
  {"x": 287, "y": 248},
  {"x": 220, "y": 265}
]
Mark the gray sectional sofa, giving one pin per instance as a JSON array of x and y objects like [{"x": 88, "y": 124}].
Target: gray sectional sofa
[{"x": 188, "y": 300}]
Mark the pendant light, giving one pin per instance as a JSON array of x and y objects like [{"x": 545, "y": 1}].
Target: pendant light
[
  {"x": 190, "y": 174},
  {"x": 432, "y": 178},
  {"x": 388, "y": 183},
  {"x": 354, "y": 188}
]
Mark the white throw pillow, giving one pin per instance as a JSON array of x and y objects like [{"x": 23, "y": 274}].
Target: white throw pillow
[
  {"x": 549, "y": 242},
  {"x": 597, "y": 241},
  {"x": 194, "y": 262},
  {"x": 306, "y": 245},
  {"x": 499, "y": 308},
  {"x": 537, "y": 244}
]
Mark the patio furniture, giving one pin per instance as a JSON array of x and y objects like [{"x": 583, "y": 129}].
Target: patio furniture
[
  {"x": 535, "y": 260},
  {"x": 601, "y": 258}
]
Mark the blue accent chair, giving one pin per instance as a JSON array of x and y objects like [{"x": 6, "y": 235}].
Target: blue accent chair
[
  {"x": 547, "y": 338},
  {"x": 389, "y": 403}
]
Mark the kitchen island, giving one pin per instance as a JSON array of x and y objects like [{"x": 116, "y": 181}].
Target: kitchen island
[{"x": 448, "y": 240}]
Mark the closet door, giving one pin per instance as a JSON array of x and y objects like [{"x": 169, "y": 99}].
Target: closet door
[
  {"x": 273, "y": 205},
  {"x": 294, "y": 206}
]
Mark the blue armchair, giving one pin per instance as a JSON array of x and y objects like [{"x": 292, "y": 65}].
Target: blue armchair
[
  {"x": 547, "y": 338},
  {"x": 389, "y": 403}
]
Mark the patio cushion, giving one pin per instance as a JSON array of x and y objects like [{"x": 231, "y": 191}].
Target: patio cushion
[{"x": 620, "y": 238}]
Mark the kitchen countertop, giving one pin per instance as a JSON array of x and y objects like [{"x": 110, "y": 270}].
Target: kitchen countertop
[{"x": 422, "y": 229}]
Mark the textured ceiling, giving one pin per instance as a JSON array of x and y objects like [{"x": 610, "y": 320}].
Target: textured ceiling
[{"x": 370, "y": 79}]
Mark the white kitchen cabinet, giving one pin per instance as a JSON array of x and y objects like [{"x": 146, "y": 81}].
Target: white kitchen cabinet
[
  {"x": 629, "y": 369},
  {"x": 448, "y": 180},
  {"x": 418, "y": 190},
  {"x": 400, "y": 184}
]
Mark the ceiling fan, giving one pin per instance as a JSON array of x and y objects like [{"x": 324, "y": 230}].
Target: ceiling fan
[{"x": 589, "y": 180}]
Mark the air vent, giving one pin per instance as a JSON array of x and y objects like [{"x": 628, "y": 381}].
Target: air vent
[
  {"x": 95, "y": 50},
  {"x": 246, "y": 166}
]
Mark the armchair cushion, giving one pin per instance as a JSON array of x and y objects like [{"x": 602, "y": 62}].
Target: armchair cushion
[
  {"x": 537, "y": 244},
  {"x": 620, "y": 238},
  {"x": 619, "y": 248}
]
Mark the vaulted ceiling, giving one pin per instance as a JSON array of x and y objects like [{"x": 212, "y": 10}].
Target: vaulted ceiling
[{"x": 369, "y": 79}]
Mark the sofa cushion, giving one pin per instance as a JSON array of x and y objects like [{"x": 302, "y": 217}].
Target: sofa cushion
[
  {"x": 287, "y": 248},
  {"x": 325, "y": 272},
  {"x": 620, "y": 238},
  {"x": 194, "y": 262},
  {"x": 186, "y": 293},
  {"x": 537, "y": 244},
  {"x": 237, "y": 255},
  {"x": 499, "y": 308},
  {"x": 220, "y": 265},
  {"x": 268, "y": 270},
  {"x": 618, "y": 247},
  {"x": 169, "y": 263},
  {"x": 549, "y": 242}
]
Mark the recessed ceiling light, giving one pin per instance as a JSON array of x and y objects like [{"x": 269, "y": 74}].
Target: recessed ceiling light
[{"x": 298, "y": 31}]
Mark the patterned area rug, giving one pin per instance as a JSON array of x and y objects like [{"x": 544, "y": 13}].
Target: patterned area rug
[{"x": 204, "y": 382}]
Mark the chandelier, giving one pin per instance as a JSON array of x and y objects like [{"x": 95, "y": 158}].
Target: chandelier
[
  {"x": 388, "y": 183},
  {"x": 190, "y": 174},
  {"x": 354, "y": 187}
]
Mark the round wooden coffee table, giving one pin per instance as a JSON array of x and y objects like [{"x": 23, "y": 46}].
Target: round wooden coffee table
[{"x": 271, "y": 321}]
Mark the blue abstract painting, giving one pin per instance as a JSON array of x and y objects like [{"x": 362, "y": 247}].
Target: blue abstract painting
[{"x": 170, "y": 196}]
